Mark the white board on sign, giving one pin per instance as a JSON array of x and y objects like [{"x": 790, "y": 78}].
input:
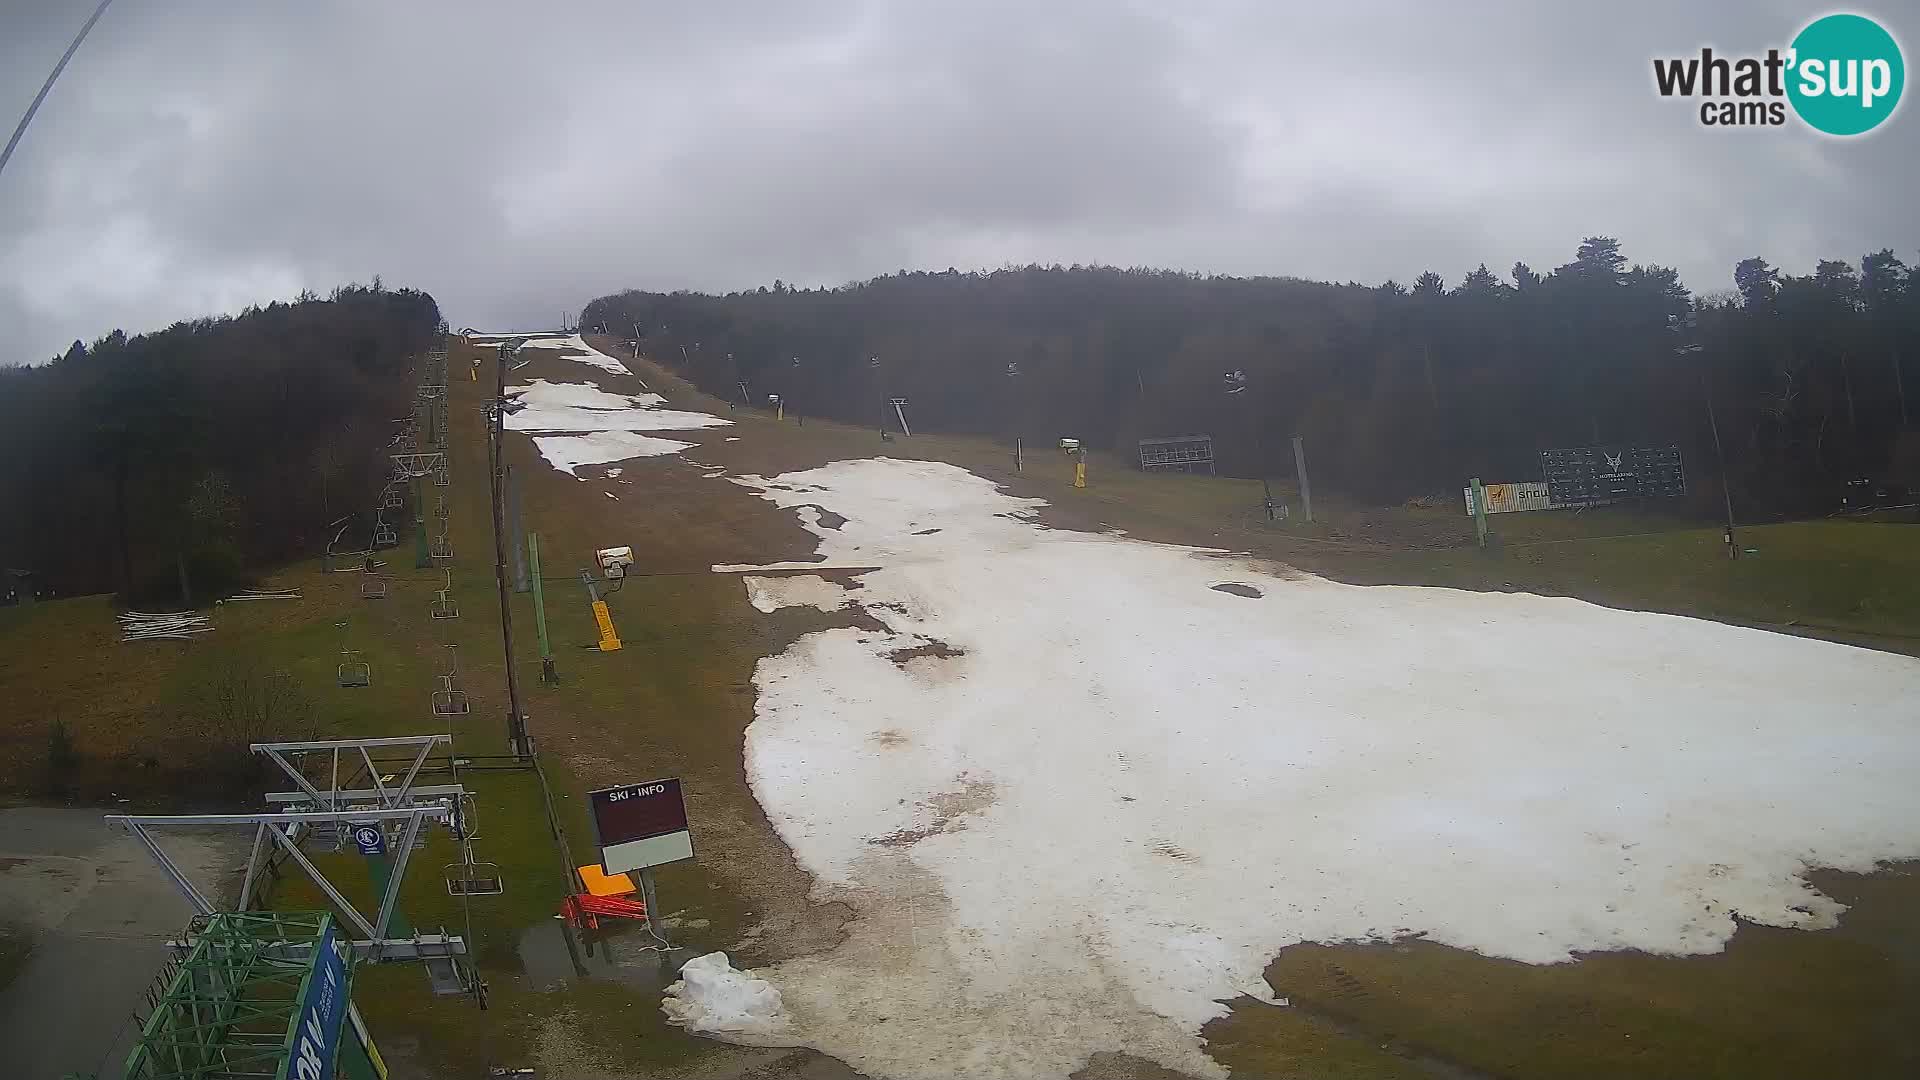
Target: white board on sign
[{"x": 648, "y": 853}]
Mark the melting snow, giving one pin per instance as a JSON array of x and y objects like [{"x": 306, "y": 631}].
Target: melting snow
[
  {"x": 574, "y": 347},
  {"x": 569, "y": 452},
  {"x": 600, "y": 425},
  {"x": 1112, "y": 793},
  {"x": 711, "y": 998},
  {"x": 547, "y": 395},
  {"x": 770, "y": 594}
]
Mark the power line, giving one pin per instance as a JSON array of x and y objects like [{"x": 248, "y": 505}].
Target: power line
[{"x": 7, "y": 154}]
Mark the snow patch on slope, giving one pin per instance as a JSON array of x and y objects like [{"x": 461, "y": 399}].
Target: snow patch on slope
[
  {"x": 545, "y": 406},
  {"x": 582, "y": 424},
  {"x": 770, "y": 594},
  {"x": 547, "y": 395},
  {"x": 569, "y": 452},
  {"x": 1117, "y": 793},
  {"x": 574, "y": 347}
]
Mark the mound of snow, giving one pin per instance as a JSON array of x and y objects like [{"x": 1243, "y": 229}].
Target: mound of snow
[
  {"x": 770, "y": 594},
  {"x": 712, "y": 998}
]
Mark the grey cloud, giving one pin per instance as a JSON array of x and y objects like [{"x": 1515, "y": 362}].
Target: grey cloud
[{"x": 517, "y": 160}]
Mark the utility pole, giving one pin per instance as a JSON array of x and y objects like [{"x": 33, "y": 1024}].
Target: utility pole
[
  {"x": 1236, "y": 384},
  {"x": 517, "y": 739},
  {"x": 1306, "y": 489}
]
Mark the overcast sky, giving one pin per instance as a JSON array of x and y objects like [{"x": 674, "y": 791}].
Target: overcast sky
[{"x": 519, "y": 159}]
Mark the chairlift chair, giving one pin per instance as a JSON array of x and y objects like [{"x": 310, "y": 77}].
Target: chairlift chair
[
  {"x": 354, "y": 671},
  {"x": 390, "y": 497},
  {"x": 372, "y": 586},
  {"x": 444, "y": 606},
  {"x": 474, "y": 877},
  {"x": 440, "y": 547},
  {"x": 440, "y": 478},
  {"x": 384, "y": 534},
  {"x": 450, "y": 700}
]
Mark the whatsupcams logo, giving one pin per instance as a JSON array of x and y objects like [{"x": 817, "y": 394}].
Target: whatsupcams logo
[{"x": 1842, "y": 75}]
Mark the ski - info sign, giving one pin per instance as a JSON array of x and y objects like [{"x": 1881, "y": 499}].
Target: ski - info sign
[{"x": 640, "y": 825}]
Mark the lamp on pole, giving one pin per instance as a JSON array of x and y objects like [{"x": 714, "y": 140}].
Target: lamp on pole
[
  {"x": 1235, "y": 382},
  {"x": 1019, "y": 435},
  {"x": 1687, "y": 331}
]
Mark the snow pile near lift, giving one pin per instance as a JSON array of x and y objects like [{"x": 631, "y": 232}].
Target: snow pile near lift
[
  {"x": 1078, "y": 798},
  {"x": 711, "y": 998},
  {"x": 581, "y": 424},
  {"x": 770, "y": 594},
  {"x": 574, "y": 347}
]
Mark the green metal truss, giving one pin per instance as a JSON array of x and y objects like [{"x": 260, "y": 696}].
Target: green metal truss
[{"x": 228, "y": 1008}]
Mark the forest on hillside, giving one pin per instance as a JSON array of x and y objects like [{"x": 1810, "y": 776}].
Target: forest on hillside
[
  {"x": 206, "y": 449},
  {"x": 1398, "y": 391}
]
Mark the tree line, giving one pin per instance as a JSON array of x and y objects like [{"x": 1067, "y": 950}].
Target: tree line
[
  {"x": 1398, "y": 390},
  {"x": 165, "y": 466}
]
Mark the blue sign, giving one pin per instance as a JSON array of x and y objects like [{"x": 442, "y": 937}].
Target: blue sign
[
  {"x": 370, "y": 839},
  {"x": 316, "y": 1030}
]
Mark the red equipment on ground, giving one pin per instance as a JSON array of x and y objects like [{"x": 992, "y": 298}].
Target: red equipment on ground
[
  {"x": 586, "y": 909},
  {"x": 606, "y": 897}
]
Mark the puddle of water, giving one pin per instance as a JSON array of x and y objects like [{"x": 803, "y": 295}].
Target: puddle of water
[
  {"x": 1237, "y": 589},
  {"x": 618, "y": 956}
]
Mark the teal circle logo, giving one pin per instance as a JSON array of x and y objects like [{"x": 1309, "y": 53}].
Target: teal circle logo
[{"x": 1846, "y": 74}]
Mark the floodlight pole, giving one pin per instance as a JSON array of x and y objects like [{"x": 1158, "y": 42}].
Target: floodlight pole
[
  {"x": 517, "y": 740},
  {"x": 1726, "y": 489},
  {"x": 1691, "y": 346}
]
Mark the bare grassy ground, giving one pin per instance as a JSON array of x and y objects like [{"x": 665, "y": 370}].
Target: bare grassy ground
[{"x": 677, "y": 698}]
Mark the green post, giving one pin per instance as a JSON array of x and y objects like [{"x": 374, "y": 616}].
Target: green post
[
  {"x": 547, "y": 674},
  {"x": 1480, "y": 511}
]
